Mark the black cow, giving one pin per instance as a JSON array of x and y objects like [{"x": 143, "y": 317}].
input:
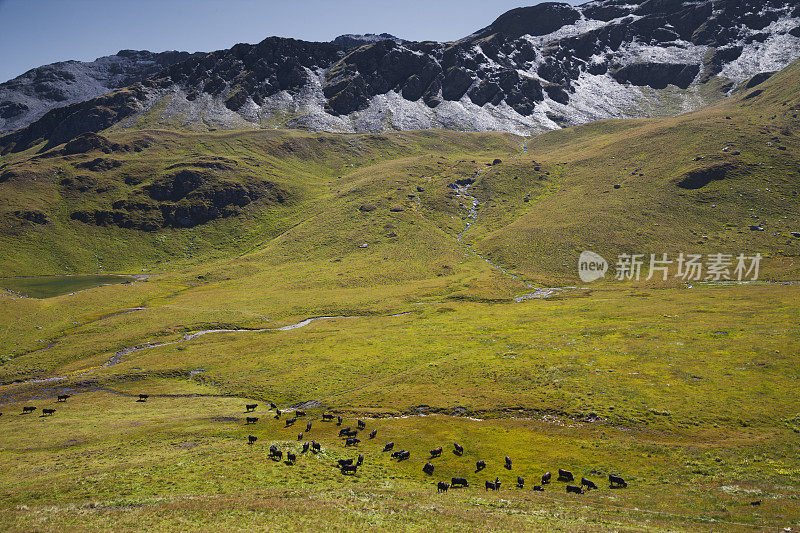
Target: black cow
[
  {"x": 291, "y": 457},
  {"x": 565, "y": 475},
  {"x": 28, "y": 409},
  {"x": 305, "y": 447},
  {"x": 389, "y": 446},
  {"x": 442, "y": 486},
  {"x": 290, "y": 421},
  {"x": 276, "y": 455},
  {"x": 316, "y": 446},
  {"x": 63, "y": 397},
  {"x": 436, "y": 452},
  {"x": 277, "y": 414},
  {"x": 480, "y": 465},
  {"x": 299, "y": 413},
  {"x": 251, "y": 420},
  {"x": 251, "y": 439},
  {"x": 538, "y": 488},
  {"x": 616, "y": 482},
  {"x": 459, "y": 449},
  {"x": 546, "y": 478},
  {"x": 401, "y": 455},
  {"x": 351, "y": 433},
  {"x": 308, "y": 426},
  {"x": 273, "y": 448},
  {"x": 349, "y": 469},
  {"x": 327, "y": 416},
  {"x": 574, "y": 489},
  {"x": 520, "y": 482},
  {"x": 338, "y": 420},
  {"x": 272, "y": 405},
  {"x": 428, "y": 468},
  {"x": 508, "y": 463},
  {"x": 361, "y": 424},
  {"x": 250, "y": 407},
  {"x": 352, "y": 441},
  {"x": 756, "y": 502},
  {"x": 493, "y": 485},
  {"x": 343, "y": 462},
  {"x": 460, "y": 481},
  {"x": 344, "y": 431},
  {"x": 299, "y": 436},
  {"x": 588, "y": 483},
  {"x": 48, "y": 412},
  {"x": 143, "y": 397},
  {"x": 373, "y": 433},
  {"x": 360, "y": 459}
]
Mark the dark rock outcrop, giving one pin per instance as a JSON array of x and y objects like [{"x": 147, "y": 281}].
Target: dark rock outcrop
[
  {"x": 699, "y": 178},
  {"x": 540, "y": 19},
  {"x": 184, "y": 199},
  {"x": 36, "y": 217},
  {"x": 657, "y": 75}
]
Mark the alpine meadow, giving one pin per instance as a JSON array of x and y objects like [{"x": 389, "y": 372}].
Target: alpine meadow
[{"x": 338, "y": 285}]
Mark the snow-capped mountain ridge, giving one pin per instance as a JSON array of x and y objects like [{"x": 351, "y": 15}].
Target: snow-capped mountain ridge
[{"x": 532, "y": 69}]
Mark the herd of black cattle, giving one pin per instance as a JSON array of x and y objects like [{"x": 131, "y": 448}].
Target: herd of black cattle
[
  {"x": 349, "y": 466},
  {"x": 350, "y": 436}
]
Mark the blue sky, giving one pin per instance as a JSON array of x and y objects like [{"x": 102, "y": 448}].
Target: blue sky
[{"x": 36, "y": 32}]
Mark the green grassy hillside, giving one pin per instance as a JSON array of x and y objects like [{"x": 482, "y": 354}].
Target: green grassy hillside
[{"x": 688, "y": 390}]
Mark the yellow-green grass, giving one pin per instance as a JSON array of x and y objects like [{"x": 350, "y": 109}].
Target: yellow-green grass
[
  {"x": 106, "y": 461},
  {"x": 688, "y": 390}
]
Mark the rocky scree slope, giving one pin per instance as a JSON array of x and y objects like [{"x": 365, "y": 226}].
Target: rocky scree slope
[{"x": 26, "y": 98}]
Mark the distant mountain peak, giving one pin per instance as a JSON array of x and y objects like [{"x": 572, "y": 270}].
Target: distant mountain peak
[
  {"x": 352, "y": 40},
  {"x": 27, "y": 97}
]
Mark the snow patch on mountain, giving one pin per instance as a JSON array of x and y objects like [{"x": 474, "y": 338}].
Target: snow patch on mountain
[{"x": 778, "y": 50}]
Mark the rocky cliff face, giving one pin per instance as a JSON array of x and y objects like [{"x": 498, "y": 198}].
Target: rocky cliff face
[
  {"x": 26, "y": 98},
  {"x": 532, "y": 69}
]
